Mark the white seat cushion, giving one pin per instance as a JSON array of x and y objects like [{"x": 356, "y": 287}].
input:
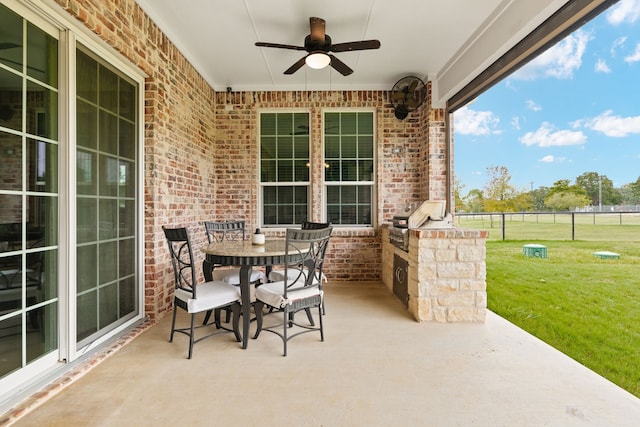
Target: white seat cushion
[
  {"x": 272, "y": 293},
  {"x": 232, "y": 275},
  {"x": 209, "y": 295},
  {"x": 278, "y": 275}
]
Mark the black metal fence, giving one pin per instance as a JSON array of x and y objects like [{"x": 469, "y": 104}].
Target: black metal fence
[{"x": 599, "y": 226}]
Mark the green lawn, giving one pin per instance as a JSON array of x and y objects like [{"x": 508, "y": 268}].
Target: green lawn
[{"x": 588, "y": 308}]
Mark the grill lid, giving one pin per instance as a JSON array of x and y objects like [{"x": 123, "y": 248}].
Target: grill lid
[{"x": 414, "y": 217}]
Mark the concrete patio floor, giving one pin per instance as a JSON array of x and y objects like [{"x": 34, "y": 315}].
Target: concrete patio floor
[{"x": 376, "y": 367}]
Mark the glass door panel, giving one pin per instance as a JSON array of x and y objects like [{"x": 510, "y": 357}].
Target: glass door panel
[
  {"x": 106, "y": 162},
  {"x": 28, "y": 193}
]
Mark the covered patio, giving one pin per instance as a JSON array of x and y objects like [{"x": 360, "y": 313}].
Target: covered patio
[
  {"x": 377, "y": 370},
  {"x": 189, "y": 117}
]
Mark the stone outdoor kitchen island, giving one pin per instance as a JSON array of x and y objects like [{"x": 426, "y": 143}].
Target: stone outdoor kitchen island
[{"x": 446, "y": 273}]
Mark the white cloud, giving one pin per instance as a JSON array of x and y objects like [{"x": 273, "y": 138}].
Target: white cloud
[
  {"x": 614, "y": 126},
  {"x": 515, "y": 122},
  {"x": 552, "y": 159},
  {"x": 602, "y": 67},
  {"x": 533, "y": 106},
  {"x": 545, "y": 136},
  {"x": 559, "y": 61},
  {"x": 635, "y": 56},
  {"x": 471, "y": 122},
  {"x": 617, "y": 43},
  {"x": 624, "y": 11}
]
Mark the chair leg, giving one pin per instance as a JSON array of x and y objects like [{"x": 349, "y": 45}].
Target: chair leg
[
  {"x": 320, "y": 308},
  {"x": 207, "y": 316},
  {"x": 257, "y": 307},
  {"x": 310, "y": 317},
  {"x": 285, "y": 319},
  {"x": 173, "y": 324},
  {"x": 235, "y": 310},
  {"x": 216, "y": 316},
  {"x": 191, "y": 334}
]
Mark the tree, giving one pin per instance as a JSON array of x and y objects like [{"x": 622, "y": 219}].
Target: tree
[
  {"x": 566, "y": 200},
  {"x": 634, "y": 189},
  {"x": 596, "y": 185},
  {"x": 457, "y": 193},
  {"x": 500, "y": 195},
  {"x": 564, "y": 186},
  {"x": 537, "y": 197},
  {"x": 628, "y": 197},
  {"x": 499, "y": 187},
  {"x": 475, "y": 201},
  {"x": 521, "y": 202}
]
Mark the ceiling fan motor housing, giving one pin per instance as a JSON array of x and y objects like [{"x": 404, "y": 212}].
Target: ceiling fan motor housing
[{"x": 313, "y": 46}]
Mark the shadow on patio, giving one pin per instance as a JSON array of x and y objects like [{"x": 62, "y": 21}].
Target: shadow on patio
[{"x": 377, "y": 367}]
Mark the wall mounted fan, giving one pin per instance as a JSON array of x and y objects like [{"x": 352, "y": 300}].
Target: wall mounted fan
[
  {"x": 407, "y": 95},
  {"x": 318, "y": 46}
]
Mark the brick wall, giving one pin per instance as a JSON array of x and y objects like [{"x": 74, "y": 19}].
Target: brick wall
[
  {"x": 404, "y": 160},
  {"x": 201, "y": 151},
  {"x": 179, "y": 134}
]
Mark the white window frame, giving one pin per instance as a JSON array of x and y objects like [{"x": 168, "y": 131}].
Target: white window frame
[
  {"x": 373, "y": 183},
  {"x": 262, "y": 185}
]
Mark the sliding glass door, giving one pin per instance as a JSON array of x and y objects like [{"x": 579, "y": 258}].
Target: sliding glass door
[
  {"x": 70, "y": 186},
  {"x": 106, "y": 197},
  {"x": 29, "y": 142}
]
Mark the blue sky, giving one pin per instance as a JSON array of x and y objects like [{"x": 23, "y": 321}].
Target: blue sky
[{"x": 573, "y": 109}]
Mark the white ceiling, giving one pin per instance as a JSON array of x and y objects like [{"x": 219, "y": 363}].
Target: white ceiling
[{"x": 447, "y": 42}]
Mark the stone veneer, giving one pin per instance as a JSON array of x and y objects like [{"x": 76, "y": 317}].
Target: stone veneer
[{"x": 447, "y": 273}]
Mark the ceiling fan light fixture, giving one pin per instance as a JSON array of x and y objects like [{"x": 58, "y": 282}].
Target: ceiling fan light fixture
[{"x": 317, "y": 60}]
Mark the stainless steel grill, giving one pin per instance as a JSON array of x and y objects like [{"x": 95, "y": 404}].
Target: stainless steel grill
[
  {"x": 399, "y": 237},
  {"x": 414, "y": 217}
]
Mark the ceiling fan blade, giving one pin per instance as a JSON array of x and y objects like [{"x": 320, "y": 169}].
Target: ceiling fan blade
[
  {"x": 317, "y": 28},
  {"x": 350, "y": 46},
  {"x": 279, "y": 46},
  {"x": 340, "y": 66},
  {"x": 295, "y": 67}
]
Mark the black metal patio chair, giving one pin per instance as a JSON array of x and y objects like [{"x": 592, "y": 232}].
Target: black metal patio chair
[
  {"x": 195, "y": 298},
  {"x": 301, "y": 288}
]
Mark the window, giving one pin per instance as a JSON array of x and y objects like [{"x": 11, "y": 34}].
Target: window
[
  {"x": 284, "y": 168},
  {"x": 349, "y": 166},
  {"x": 346, "y": 174}
]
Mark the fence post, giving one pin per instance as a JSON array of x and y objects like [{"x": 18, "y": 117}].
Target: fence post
[
  {"x": 573, "y": 226},
  {"x": 503, "y": 226}
]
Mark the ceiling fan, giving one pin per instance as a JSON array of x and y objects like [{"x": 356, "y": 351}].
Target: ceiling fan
[{"x": 318, "y": 46}]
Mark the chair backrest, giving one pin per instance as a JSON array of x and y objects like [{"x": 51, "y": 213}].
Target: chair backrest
[
  {"x": 217, "y": 231},
  {"x": 308, "y": 225},
  {"x": 305, "y": 250},
  {"x": 181, "y": 258}
]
